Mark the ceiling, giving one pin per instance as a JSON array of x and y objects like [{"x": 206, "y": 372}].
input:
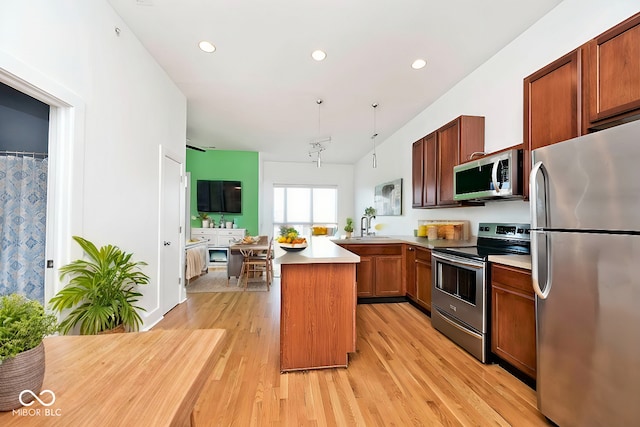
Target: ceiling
[{"x": 258, "y": 91}]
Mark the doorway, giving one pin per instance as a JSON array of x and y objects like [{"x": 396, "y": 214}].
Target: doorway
[
  {"x": 24, "y": 126},
  {"x": 64, "y": 216},
  {"x": 171, "y": 234}
]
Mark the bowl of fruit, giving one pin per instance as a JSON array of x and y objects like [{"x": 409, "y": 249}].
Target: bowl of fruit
[{"x": 290, "y": 241}]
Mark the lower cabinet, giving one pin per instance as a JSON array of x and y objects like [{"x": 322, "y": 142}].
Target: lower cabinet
[
  {"x": 380, "y": 271},
  {"x": 418, "y": 265},
  {"x": 410, "y": 271},
  {"x": 423, "y": 277},
  {"x": 513, "y": 318}
]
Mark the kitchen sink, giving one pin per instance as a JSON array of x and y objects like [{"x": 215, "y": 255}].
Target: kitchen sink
[{"x": 369, "y": 237}]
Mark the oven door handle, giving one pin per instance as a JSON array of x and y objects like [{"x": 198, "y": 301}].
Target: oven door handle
[
  {"x": 445, "y": 316},
  {"x": 458, "y": 260}
]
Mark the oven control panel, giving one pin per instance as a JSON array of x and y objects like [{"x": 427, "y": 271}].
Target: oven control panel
[{"x": 504, "y": 231}]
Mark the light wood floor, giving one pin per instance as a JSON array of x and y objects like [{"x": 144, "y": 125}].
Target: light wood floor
[{"x": 404, "y": 372}]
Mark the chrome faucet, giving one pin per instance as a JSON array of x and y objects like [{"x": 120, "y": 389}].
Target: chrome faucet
[{"x": 365, "y": 225}]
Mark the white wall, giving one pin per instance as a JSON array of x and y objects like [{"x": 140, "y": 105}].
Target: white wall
[
  {"x": 131, "y": 108},
  {"x": 494, "y": 90},
  {"x": 306, "y": 174}
]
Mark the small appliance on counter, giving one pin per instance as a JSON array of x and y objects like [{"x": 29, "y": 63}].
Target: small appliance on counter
[{"x": 460, "y": 294}]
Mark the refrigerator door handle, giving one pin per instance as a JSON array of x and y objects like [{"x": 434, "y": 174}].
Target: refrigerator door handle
[
  {"x": 494, "y": 176},
  {"x": 538, "y": 168},
  {"x": 540, "y": 251},
  {"x": 540, "y": 273}
]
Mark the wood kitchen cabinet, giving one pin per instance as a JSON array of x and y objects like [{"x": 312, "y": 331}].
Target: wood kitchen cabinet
[
  {"x": 380, "y": 271},
  {"x": 552, "y": 107},
  {"x": 423, "y": 277},
  {"x": 424, "y": 171},
  {"x": 417, "y": 173},
  {"x": 435, "y": 155},
  {"x": 418, "y": 265},
  {"x": 410, "y": 271},
  {"x": 457, "y": 141},
  {"x": 513, "y": 318},
  {"x": 591, "y": 88},
  {"x": 612, "y": 75}
]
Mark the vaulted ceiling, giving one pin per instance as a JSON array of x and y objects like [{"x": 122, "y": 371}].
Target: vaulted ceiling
[{"x": 258, "y": 91}]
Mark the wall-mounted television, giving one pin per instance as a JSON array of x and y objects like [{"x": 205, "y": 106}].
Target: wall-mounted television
[{"x": 219, "y": 196}]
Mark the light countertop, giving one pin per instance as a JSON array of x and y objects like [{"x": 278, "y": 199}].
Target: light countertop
[
  {"x": 520, "y": 261},
  {"x": 418, "y": 241},
  {"x": 327, "y": 250},
  {"x": 320, "y": 250},
  {"x": 193, "y": 244}
]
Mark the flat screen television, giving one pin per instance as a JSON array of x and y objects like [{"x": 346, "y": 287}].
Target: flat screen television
[{"x": 219, "y": 196}]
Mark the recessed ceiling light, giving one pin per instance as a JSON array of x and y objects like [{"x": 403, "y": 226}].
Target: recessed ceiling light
[
  {"x": 206, "y": 46},
  {"x": 418, "y": 64},
  {"x": 318, "y": 55}
]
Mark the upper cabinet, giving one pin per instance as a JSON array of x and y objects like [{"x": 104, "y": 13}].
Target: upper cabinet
[
  {"x": 435, "y": 155},
  {"x": 591, "y": 88},
  {"x": 457, "y": 141},
  {"x": 552, "y": 108},
  {"x": 612, "y": 75}
]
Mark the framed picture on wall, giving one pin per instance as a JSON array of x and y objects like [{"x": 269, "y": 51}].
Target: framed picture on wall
[{"x": 388, "y": 198}]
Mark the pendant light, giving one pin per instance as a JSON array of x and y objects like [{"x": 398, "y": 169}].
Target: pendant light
[
  {"x": 373, "y": 137},
  {"x": 316, "y": 146}
]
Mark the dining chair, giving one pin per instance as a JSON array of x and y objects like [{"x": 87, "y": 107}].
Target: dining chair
[{"x": 259, "y": 263}]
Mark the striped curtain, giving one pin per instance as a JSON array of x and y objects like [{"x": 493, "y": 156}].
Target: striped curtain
[{"x": 23, "y": 198}]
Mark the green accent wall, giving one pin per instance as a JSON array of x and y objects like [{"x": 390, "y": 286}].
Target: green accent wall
[{"x": 232, "y": 166}]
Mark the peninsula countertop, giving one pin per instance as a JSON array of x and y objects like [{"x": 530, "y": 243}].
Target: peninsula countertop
[
  {"x": 320, "y": 250},
  {"x": 520, "y": 261},
  {"x": 418, "y": 241}
]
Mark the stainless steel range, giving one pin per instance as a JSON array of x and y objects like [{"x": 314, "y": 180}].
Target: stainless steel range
[{"x": 460, "y": 287}]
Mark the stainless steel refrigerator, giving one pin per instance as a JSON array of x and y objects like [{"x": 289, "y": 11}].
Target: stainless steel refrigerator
[{"x": 585, "y": 246}]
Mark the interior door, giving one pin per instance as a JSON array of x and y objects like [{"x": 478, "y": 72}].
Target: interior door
[{"x": 172, "y": 243}]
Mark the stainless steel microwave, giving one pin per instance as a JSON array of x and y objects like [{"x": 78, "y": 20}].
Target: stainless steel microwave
[{"x": 493, "y": 177}]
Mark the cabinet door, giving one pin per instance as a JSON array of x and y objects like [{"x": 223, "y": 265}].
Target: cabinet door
[
  {"x": 410, "y": 261},
  {"x": 430, "y": 156},
  {"x": 471, "y": 137},
  {"x": 513, "y": 330},
  {"x": 448, "y": 157},
  {"x": 364, "y": 276},
  {"x": 423, "y": 278},
  {"x": 613, "y": 74},
  {"x": 552, "y": 109},
  {"x": 417, "y": 173},
  {"x": 388, "y": 276}
]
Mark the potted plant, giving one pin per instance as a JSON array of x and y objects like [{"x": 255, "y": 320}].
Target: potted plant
[
  {"x": 204, "y": 217},
  {"x": 23, "y": 325},
  {"x": 349, "y": 227},
  {"x": 102, "y": 291}
]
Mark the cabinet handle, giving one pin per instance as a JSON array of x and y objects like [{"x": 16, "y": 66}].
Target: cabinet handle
[{"x": 411, "y": 249}]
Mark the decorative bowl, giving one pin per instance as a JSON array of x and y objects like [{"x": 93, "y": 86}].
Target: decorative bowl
[{"x": 293, "y": 247}]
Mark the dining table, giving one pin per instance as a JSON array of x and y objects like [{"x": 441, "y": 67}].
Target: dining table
[{"x": 239, "y": 251}]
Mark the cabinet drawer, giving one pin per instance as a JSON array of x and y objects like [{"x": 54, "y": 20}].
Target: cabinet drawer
[
  {"x": 231, "y": 232},
  {"x": 203, "y": 231},
  {"x": 423, "y": 255},
  {"x": 512, "y": 277},
  {"x": 372, "y": 250}
]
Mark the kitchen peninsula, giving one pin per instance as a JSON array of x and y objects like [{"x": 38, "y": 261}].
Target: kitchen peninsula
[{"x": 318, "y": 306}]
